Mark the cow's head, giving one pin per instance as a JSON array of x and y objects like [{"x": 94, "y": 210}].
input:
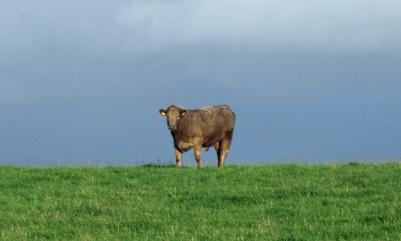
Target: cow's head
[{"x": 172, "y": 114}]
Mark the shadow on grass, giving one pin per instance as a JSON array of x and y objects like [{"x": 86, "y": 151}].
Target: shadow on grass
[{"x": 153, "y": 165}]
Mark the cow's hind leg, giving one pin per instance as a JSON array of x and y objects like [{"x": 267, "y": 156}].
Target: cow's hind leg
[
  {"x": 178, "y": 158},
  {"x": 224, "y": 149},
  {"x": 217, "y": 148}
]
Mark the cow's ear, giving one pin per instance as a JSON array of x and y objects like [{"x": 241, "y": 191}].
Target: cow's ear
[
  {"x": 162, "y": 112},
  {"x": 183, "y": 112}
]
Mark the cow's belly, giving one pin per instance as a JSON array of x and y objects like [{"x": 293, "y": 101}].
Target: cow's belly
[
  {"x": 186, "y": 144},
  {"x": 211, "y": 141}
]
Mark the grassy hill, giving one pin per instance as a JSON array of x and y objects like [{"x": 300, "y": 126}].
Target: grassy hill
[{"x": 273, "y": 202}]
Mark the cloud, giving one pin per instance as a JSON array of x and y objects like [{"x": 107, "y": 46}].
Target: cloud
[
  {"x": 284, "y": 24},
  {"x": 140, "y": 26},
  {"x": 43, "y": 27}
]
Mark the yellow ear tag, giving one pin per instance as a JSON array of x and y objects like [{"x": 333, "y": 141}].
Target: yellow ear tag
[{"x": 162, "y": 113}]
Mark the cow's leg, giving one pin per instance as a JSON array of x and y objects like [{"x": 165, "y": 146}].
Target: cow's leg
[
  {"x": 224, "y": 149},
  {"x": 223, "y": 152},
  {"x": 178, "y": 158},
  {"x": 217, "y": 148},
  {"x": 198, "y": 155}
]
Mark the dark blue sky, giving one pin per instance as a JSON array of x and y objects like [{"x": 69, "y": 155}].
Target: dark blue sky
[{"x": 86, "y": 90}]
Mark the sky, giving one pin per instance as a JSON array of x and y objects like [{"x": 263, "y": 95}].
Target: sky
[{"x": 310, "y": 81}]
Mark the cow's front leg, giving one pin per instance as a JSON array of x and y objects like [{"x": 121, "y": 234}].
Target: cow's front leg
[
  {"x": 198, "y": 155},
  {"x": 178, "y": 158}
]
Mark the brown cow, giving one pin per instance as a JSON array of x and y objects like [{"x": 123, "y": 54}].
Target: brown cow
[{"x": 200, "y": 128}]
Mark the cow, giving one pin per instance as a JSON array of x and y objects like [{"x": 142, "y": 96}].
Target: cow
[{"x": 200, "y": 129}]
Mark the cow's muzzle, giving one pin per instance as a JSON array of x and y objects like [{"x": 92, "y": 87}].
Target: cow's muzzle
[{"x": 172, "y": 127}]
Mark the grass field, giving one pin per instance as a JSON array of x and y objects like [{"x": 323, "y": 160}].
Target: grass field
[{"x": 273, "y": 202}]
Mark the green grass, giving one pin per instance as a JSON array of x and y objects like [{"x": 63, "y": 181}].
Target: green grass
[{"x": 273, "y": 202}]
